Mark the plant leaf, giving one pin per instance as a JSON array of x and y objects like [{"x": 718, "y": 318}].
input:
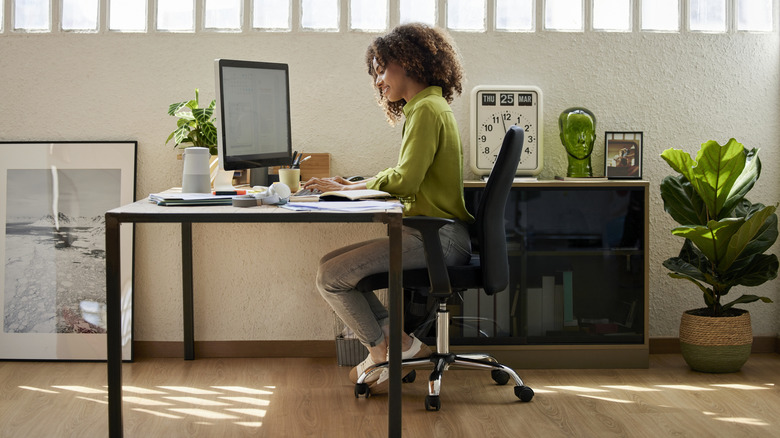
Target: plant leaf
[
  {"x": 709, "y": 297},
  {"x": 712, "y": 240},
  {"x": 175, "y": 107},
  {"x": 202, "y": 115},
  {"x": 181, "y": 135},
  {"x": 762, "y": 268},
  {"x": 209, "y": 133},
  {"x": 746, "y": 180},
  {"x": 717, "y": 169},
  {"x": 746, "y": 233},
  {"x": 681, "y": 202},
  {"x": 714, "y": 172},
  {"x": 185, "y": 115},
  {"x": 744, "y": 299}
]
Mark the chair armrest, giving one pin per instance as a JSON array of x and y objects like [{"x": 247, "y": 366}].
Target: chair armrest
[{"x": 434, "y": 255}]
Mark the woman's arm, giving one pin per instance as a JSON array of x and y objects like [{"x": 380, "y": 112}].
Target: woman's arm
[{"x": 333, "y": 184}]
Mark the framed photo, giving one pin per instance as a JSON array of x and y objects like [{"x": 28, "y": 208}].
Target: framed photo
[
  {"x": 623, "y": 155},
  {"x": 53, "y": 270}
]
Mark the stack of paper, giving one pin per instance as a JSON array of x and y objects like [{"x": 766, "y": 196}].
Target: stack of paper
[
  {"x": 173, "y": 198},
  {"x": 342, "y": 206}
]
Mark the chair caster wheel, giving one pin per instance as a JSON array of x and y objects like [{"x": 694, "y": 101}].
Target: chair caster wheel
[
  {"x": 409, "y": 378},
  {"x": 499, "y": 376},
  {"x": 524, "y": 393},
  {"x": 362, "y": 389},
  {"x": 432, "y": 403}
]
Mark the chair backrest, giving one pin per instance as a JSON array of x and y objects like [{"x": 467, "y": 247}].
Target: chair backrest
[{"x": 491, "y": 231}]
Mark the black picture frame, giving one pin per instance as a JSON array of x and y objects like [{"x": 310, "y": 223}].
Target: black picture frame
[
  {"x": 623, "y": 154},
  {"x": 53, "y": 270}
]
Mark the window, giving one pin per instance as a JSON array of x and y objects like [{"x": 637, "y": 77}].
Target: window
[
  {"x": 127, "y": 15},
  {"x": 717, "y": 16},
  {"x": 32, "y": 15},
  {"x": 368, "y": 15},
  {"x": 80, "y": 15},
  {"x": 223, "y": 14},
  {"x": 176, "y": 15},
  {"x": 661, "y": 15},
  {"x": 563, "y": 15},
  {"x": 418, "y": 11},
  {"x": 466, "y": 15},
  {"x": 515, "y": 15},
  {"x": 271, "y": 14},
  {"x": 708, "y": 15},
  {"x": 320, "y": 14},
  {"x": 612, "y": 15},
  {"x": 755, "y": 15}
]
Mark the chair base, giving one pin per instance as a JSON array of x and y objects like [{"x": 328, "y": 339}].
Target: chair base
[{"x": 442, "y": 360}]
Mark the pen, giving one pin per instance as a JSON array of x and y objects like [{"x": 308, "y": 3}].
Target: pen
[{"x": 297, "y": 161}]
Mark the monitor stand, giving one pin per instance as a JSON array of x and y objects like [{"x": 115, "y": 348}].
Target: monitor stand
[{"x": 222, "y": 180}]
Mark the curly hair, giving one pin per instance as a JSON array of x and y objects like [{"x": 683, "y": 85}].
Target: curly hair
[{"x": 427, "y": 54}]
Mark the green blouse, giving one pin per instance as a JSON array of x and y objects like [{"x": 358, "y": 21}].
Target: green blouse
[{"x": 429, "y": 176}]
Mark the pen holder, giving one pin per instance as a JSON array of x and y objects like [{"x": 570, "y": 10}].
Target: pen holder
[
  {"x": 291, "y": 178},
  {"x": 195, "y": 176}
]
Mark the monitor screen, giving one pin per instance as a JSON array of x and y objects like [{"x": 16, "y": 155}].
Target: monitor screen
[{"x": 253, "y": 114}]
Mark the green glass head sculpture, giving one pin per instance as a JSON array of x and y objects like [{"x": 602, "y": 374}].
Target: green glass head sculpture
[{"x": 578, "y": 133}]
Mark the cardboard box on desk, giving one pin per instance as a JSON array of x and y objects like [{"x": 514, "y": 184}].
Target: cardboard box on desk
[{"x": 318, "y": 166}]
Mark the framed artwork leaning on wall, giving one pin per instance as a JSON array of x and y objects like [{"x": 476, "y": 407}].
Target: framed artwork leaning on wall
[{"x": 53, "y": 270}]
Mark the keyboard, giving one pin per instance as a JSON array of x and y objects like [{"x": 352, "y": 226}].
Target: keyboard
[{"x": 307, "y": 192}]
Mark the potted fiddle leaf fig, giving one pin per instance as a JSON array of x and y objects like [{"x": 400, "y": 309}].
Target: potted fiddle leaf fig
[
  {"x": 725, "y": 239},
  {"x": 195, "y": 126}
]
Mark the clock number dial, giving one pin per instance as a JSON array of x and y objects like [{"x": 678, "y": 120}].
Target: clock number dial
[{"x": 495, "y": 111}]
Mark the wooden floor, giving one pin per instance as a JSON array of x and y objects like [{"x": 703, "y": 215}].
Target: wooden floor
[{"x": 313, "y": 397}]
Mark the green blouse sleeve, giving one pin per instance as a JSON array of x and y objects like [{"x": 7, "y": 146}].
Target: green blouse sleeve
[{"x": 418, "y": 148}]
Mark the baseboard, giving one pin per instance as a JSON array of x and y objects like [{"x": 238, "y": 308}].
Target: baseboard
[
  {"x": 159, "y": 349},
  {"x": 761, "y": 344},
  {"x": 203, "y": 349}
]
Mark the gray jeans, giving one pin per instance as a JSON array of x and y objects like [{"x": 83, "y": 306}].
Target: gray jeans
[{"x": 341, "y": 270}]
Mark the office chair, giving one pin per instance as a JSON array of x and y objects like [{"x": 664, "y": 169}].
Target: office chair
[{"x": 489, "y": 271}]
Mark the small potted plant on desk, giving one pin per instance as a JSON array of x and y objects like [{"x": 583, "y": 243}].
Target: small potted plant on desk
[
  {"x": 725, "y": 238},
  {"x": 195, "y": 128}
]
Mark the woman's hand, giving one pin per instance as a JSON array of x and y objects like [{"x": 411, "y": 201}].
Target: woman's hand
[
  {"x": 332, "y": 184},
  {"x": 323, "y": 185}
]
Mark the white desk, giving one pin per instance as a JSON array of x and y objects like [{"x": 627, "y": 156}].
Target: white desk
[{"x": 146, "y": 212}]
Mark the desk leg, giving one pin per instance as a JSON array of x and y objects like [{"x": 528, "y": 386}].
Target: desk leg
[
  {"x": 395, "y": 299},
  {"x": 114, "y": 327},
  {"x": 186, "y": 283}
]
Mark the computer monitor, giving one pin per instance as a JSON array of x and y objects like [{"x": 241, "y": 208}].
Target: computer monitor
[{"x": 253, "y": 115}]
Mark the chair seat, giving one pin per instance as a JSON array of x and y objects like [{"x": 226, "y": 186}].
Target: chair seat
[{"x": 462, "y": 277}]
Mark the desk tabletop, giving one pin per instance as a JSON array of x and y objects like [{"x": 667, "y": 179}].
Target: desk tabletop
[{"x": 145, "y": 210}]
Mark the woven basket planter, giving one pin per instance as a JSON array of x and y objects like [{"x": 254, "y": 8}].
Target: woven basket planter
[{"x": 716, "y": 345}]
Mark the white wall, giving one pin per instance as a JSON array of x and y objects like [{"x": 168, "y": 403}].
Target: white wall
[{"x": 680, "y": 89}]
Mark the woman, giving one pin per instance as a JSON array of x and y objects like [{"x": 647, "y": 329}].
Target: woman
[{"x": 416, "y": 72}]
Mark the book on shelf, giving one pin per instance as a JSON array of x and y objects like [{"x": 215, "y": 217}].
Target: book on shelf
[
  {"x": 584, "y": 178},
  {"x": 517, "y": 179}
]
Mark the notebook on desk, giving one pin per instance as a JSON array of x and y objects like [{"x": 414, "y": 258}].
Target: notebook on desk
[
  {"x": 182, "y": 199},
  {"x": 342, "y": 195}
]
